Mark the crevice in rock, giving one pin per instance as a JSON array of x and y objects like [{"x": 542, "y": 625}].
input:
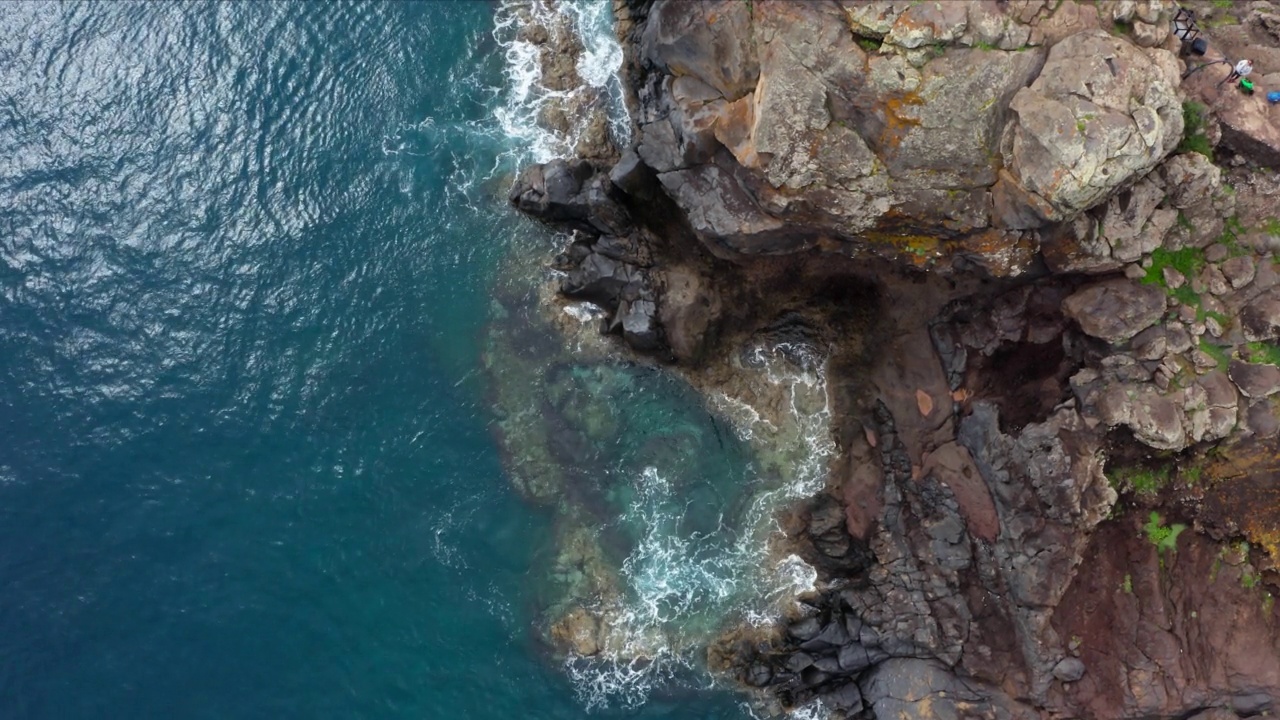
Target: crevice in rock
[{"x": 966, "y": 555}]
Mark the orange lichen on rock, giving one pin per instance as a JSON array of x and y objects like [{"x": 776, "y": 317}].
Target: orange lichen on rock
[
  {"x": 988, "y": 241},
  {"x": 1244, "y": 495},
  {"x": 898, "y": 118}
]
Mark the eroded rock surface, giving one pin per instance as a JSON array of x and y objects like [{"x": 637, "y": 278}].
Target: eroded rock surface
[
  {"x": 1102, "y": 113},
  {"x": 1039, "y": 314},
  {"x": 1116, "y": 310}
]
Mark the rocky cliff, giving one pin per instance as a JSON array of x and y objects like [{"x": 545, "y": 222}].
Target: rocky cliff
[{"x": 1056, "y": 487}]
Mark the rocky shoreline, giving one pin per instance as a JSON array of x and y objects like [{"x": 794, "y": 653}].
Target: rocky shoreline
[{"x": 1040, "y": 269}]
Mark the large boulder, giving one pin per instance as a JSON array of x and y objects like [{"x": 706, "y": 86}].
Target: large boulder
[
  {"x": 569, "y": 192},
  {"x": 1191, "y": 179},
  {"x": 914, "y": 689},
  {"x": 1260, "y": 319},
  {"x": 714, "y": 43},
  {"x": 1255, "y": 380},
  {"x": 1155, "y": 419},
  {"x": 1115, "y": 310},
  {"x": 1101, "y": 113},
  {"x": 1129, "y": 226},
  {"x": 776, "y": 115}
]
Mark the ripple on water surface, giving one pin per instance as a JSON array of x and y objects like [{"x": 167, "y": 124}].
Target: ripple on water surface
[{"x": 246, "y": 469}]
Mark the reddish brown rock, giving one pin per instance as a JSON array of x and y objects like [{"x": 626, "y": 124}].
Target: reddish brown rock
[{"x": 1160, "y": 633}]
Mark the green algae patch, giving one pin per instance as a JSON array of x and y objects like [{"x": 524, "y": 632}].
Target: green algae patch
[
  {"x": 1143, "y": 481},
  {"x": 1193, "y": 124},
  {"x": 1263, "y": 352},
  {"x": 1164, "y": 537},
  {"x": 1219, "y": 353},
  {"x": 1189, "y": 261},
  {"x": 920, "y": 249}
]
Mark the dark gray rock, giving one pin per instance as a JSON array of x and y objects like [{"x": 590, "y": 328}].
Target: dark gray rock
[
  {"x": 1115, "y": 310},
  {"x": 828, "y": 665},
  {"x": 550, "y": 192},
  {"x": 798, "y": 661},
  {"x": 1255, "y": 380},
  {"x": 1239, "y": 271},
  {"x": 1157, "y": 419},
  {"x": 951, "y": 352},
  {"x": 805, "y": 629},
  {"x": 856, "y": 658},
  {"x": 758, "y": 675},
  {"x": 869, "y": 637},
  {"x": 719, "y": 52},
  {"x": 632, "y": 176},
  {"x": 571, "y": 193},
  {"x": 910, "y": 689},
  {"x": 622, "y": 249},
  {"x": 1049, "y": 489},
  {"x": 812, "y": 676},
  {"x": 833, "y": 635},
  {"x": 1069, "y": 669},
  {"x": 1260, "y": 319},
  {"x": 853, "y": 625},
  {"x": 1262, "y": 420},
  {"x": 562, "y": 180},
  {"x": 1218, "y": 713},
  {"x": 639, "y": 324},
  {"x": 1250, "y": 703},
  {"x": 1151, "y": 344},
  {"x": 719, "y": 208},
  {"x": 847, "y": 698},
  {"x": 601, "y": 280},
  {"x": 602, "y": 211}
]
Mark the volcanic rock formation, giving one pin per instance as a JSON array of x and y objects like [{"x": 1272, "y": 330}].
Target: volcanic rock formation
[{"x": 1055, "y": 493}]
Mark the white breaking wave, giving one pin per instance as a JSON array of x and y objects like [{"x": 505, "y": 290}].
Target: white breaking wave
[
  {"x": 521, "y": 115},
  {"x": 601, "y": 682},
  {"x": 680, "y": 588},
  {"x": 601, "y": 61},
  {"x": 813, "y": 711},
  {"x": 802, "y": 446},
  {"x": 671, "y": 575}
]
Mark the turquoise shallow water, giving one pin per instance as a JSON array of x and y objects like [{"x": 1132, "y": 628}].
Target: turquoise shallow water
[{"x": 246, "y": 462}]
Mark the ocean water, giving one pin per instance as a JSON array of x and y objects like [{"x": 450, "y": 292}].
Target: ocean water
[{"x": 262, "y": 309}]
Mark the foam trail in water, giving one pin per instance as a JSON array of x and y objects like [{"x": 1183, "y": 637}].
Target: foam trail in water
[
  {"x": 672, "y": 575},
  {"x": 669, "y": 578}
]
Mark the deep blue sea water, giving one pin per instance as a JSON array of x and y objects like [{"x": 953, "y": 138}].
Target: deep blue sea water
[{"x": 246, "y": 462}]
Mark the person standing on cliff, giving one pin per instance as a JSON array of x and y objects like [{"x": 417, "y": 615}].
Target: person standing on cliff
[{"x": 1242, "y": 69}]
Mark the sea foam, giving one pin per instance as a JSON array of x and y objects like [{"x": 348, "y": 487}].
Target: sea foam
[
  {"x": 527, "y": 97},
  {"x": 681, "y": 588}
]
